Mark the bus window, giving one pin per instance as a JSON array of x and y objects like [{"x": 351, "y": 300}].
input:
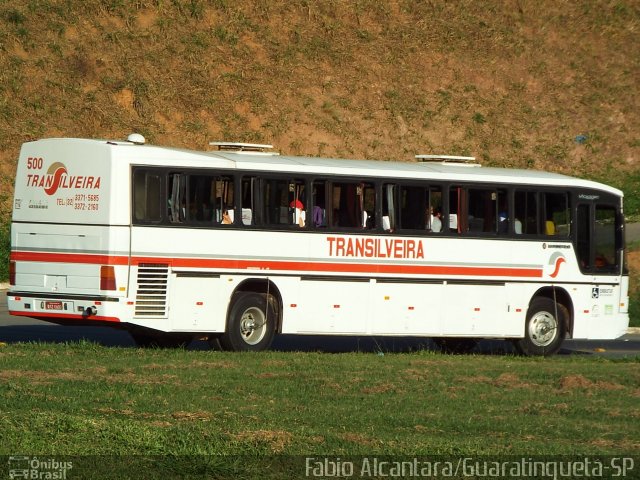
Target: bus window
[
  {"x": 319, "y": 203},
  {"x": 223, "y": 201},
  {"x": 146, "y": 197},
  {"x": 598, "y": 238},
  {"x": 434, "y": 214},
  {"x": 353, "y": 205},
  {"x": 284, "y": 202},
  {"x": 556, "y": 219},
  {"x": 177, "y": 201},
  {"x": 420, "y": 208},
  {"x": 389, "y": 207},
  {"x": 525, "y": 212},
  {"x": 249, "y": 195},
  {"x": 488, "y": 211},
  {"x": 198, "y": 194},
  {"x": 583, "y": 249},
  {"x": 458, "y": 210},
  {"x": 605, "y": 239},
  {"x": 413, "y": 207}
]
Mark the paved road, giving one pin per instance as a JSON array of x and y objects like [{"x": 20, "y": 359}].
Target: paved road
[
  {"x": 16, "y": 329},
  {"x": 632, "y": 232}
]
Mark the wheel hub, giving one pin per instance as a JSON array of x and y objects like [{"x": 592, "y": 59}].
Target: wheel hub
[
  {"x": 542, "y": 329},
  {"x": 253, "y": 326}
]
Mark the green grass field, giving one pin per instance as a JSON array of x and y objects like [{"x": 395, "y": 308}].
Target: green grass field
[{"x": 85, "y": 399}]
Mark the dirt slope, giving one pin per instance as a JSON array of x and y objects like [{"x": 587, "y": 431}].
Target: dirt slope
[{"x": 547, "y": 84}]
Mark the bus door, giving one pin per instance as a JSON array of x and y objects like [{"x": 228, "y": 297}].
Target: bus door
[{"x": 600, "y": 250}]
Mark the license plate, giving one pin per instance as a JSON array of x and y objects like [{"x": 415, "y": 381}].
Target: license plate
[{"x": 53, "y": 305}]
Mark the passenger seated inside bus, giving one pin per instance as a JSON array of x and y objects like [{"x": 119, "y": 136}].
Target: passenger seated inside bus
[
  {"x": 435, "y": 220},
  {"x": 549, "y": 228},
  {"x": 503, "y": 222},
  {"x": 227, "y": 217},
  {"x": 247, "y": 216},
  {"x": 298, "y": 212},
  {"x": 517, "y": 226},
  {"x": 319, "y": 216},
  {"x": 386, "y": 224}
]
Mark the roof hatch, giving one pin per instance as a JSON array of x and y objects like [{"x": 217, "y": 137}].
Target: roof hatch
[
  {"x": 449, "y": 160},
  {"x": 249, "y": 148}
]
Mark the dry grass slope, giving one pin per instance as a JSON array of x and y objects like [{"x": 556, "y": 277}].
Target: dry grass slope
[{"x": 512, "y": 82}]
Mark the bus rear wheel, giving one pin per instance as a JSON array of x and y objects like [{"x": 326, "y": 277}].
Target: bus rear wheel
[
  {"x": 544, "y": 329},
  {"x": 251, "y": 323}
]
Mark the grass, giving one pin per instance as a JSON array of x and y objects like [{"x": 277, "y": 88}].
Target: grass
[
  {"x": 5, "y": 250},
  {"x": 81, "y": 399}
]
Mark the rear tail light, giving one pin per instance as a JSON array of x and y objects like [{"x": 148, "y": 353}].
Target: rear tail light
[
  {"x": 12, "y": 273},
  {"x": 107, "y": 278}
]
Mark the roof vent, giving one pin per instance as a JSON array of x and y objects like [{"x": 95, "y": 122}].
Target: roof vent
[
  {"x": 136, "y": 138},
  {"x": 252, "y": 148},
  {"x": 449, "y": 160}
]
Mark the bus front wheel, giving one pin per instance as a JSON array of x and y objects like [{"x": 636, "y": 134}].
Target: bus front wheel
[
  {"x": 544, "y": 329},
  {"x": 251, "y": 323}
]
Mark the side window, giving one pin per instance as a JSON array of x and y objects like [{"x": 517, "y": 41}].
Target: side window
[
  {"x": 420, "y": 208},
  {"x": 525, "y": 212},
  {"x": 284, "y": 202},
  {"x": 319, "y": 213},
  {"x": 353, "y": 205},
  {"x": 199, "y": 197},
  {"x": 556, "y": 220},
  {"x": 434, "y": 214},
  {"x": 413, "y": 208},
  {"x": 222, "y": 201},
  {"x": 605, "y": 239},
  {"x": 457, "y": 209},
  {"x": 177, "y": 198},
  {"x": 478, "y": 210},
  {"x": 147, "y": 200},
  {"x": 248, "y": 201},
  {"x": 390, "y": 220},
  {"x": 583, "y": 226}
]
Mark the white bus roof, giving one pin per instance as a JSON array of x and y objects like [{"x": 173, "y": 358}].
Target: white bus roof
[{"x": 168, "y": 156}]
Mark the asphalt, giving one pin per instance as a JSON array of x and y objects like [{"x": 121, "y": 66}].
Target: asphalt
[{"x": 632, "y": 232}]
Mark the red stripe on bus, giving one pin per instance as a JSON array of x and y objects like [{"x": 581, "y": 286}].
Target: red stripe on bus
[
  {"x": 93, "y": 318},
  {"x": 295, "y": 266},
  {"x": 266, "y": 265}
]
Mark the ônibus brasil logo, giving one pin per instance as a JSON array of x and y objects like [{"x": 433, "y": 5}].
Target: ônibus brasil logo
[{"x": 58, "y": 177}]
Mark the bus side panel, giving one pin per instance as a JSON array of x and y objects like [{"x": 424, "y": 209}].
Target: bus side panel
[
  {"x": 407, "y": 308},
  {"x": 196, "y": 303},
  {"x": 331, "y": 307},
  {"x": 598, "y": 312}
]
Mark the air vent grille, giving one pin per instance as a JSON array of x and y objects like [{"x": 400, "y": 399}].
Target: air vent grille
[{"x": 151, "y": 296}]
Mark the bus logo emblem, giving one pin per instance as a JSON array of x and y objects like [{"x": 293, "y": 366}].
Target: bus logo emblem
[{"x": 557, "y": 259}]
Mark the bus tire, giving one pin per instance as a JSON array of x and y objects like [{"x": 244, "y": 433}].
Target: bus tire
[
  {"x": 250, "y": 325},
  {"x": 454, "y": 345},
  {"x": 544, "y": 330}
]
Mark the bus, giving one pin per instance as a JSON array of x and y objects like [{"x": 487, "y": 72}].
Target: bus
[{"x": 239, "y": 243}]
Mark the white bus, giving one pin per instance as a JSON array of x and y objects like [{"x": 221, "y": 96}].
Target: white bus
[{"x": 238, "y": 244}]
